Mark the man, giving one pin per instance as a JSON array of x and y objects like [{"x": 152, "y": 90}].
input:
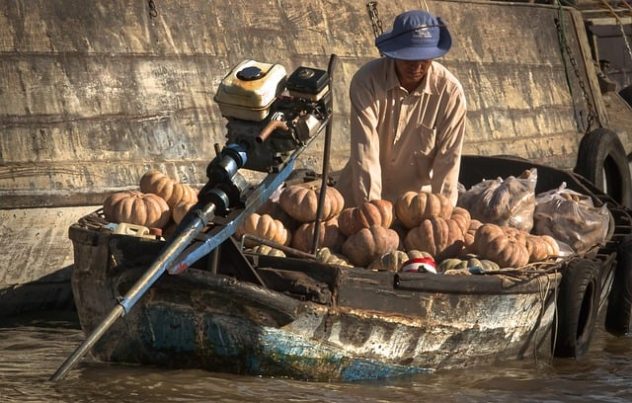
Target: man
[{"x": 407, "y": 116}]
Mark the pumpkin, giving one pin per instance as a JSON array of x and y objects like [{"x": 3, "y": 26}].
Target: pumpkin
[
  {"x": 273, "y": 208},
  {"x": 264, "y": 226},
  {"x": 393, "y": 261},
  {"x": 171, "y": 191},
  {"x": 325, "y": 255},
  {"x": 136, "y": 208},
  {"x": 439, "y": 237},
  {"x": 266, "y": 250},
  {"x": 414, "y": 207},
  {"x": 470, "y": 263},
  {"x": 462, "y": 218},
  {"x": 553, "y": 248},
  {"x": 541, "y": 247},
  {"x": 301, "y": 203},
  {"x": 374, "y": 212},
  {"x": 368, "y": 244},
  {"x": 468, "y": 236},
  {"x": 329, "y": 236},
  {"x": 494, "y": 244},
  {"x": 181, "y": 209}
]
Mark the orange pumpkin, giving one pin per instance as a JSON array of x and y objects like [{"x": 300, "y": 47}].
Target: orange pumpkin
[
  {"x": 264, "y": 226},
  {"x": 414, "y": 207},
  {"x": 368, "y": 244},
  {"x": 494, "y": 244},
  {"x": 171, "y": 191},
  {"x": 462, "y": 218},
  {"x": 301, "y": 202},
  {"x": 468, "y": 236},
  {"x": 439, "y": 237},
  {"x": 375, "y": 212},
  {"x": 273, "y": 208},
  {"x": 135, "y": 207},
  {"x": 181, "y": 209},
  {"x": 329, "y": 236},
  {"x": 541, "y": 247}
]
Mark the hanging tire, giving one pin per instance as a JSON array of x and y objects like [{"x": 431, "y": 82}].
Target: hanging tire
[
  {"x": 602, "y": 160},
  {"x": 619, "y": 313},
  {"x": 577, "y": 305},
  {"x": 626, "y": 94}
]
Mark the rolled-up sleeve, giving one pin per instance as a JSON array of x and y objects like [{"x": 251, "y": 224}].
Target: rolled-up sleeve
[
  {"x": 450, "y": 132},
  {"x": 364, "y": 162}
]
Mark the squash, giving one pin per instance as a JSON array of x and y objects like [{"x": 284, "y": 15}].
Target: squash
[
  {"x": 553, "y": 248},
  {"x": 171, "y": 191},
  {"x": 472, "y": 264},
  {"x": 265, "y": 227},
  {"x": 494, "y": 244},
  {"x": 368, "y": 244},
  {"x": 325, "y": 255},
  {"x": 452, "y": 264},
  {"x": 301, "y": 203},
  {"x": 268, "y": 251},
  {"x": 393, "y": 261},
  {"x": 468, "y": 236},
  {"x": 462, "y": 218},
  {"x": 414, "y": 207},
  {"x": 273, "y": 209},
  {"x": 136, "y": 208},
  {"x": 374, "y": 212},
  {"x": 440, "y": 237},
  {"x": 541, "y": 247},
  {"x": 329, "y": 236},
  {"x": 181, "y": 209}
]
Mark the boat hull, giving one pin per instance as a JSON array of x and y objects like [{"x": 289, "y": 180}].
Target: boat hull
[{"x": 371, "y": 329}]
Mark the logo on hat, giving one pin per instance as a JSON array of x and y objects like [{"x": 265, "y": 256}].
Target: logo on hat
[{"x": 422, "y": 31}]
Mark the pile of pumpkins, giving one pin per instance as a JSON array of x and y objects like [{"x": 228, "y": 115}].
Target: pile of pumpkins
[
  {"x": 160, "y": 200},
  {"x": 377, "y": 235},
  {"x": 381, "y": 236}
]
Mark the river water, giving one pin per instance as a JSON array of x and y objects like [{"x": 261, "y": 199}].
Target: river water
[{"x": 32, "y": 348}]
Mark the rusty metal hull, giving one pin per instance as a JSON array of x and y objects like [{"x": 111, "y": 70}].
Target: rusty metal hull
[{"x": 371, "y": 327}]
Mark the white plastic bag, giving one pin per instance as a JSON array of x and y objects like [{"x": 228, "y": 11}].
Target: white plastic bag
[
  {"x": 571, "y": 217},
  {"x": 509, "y": 201}
]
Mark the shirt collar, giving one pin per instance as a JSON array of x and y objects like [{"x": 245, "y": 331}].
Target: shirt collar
[{"x": 392, "y": 82}]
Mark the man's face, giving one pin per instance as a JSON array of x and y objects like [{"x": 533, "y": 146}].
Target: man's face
[{"x": 411, "y": 71}]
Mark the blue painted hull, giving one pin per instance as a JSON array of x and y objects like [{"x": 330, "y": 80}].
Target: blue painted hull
[{"x": 202, "y": 320}]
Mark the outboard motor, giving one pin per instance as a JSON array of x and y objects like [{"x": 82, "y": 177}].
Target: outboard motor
[{"x": 270, "y": 115}]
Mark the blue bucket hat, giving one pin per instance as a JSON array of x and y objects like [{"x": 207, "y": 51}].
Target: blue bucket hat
[{"x": 416, "y": 35}]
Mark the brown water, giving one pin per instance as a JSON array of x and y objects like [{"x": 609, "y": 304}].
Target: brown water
[{"x": 31, "y": 350}]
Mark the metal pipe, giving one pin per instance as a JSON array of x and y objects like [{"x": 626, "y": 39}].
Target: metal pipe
[
  {"x": 270, "y": 128},
  {"x": 327, "y": 151},
  {"x": 214, "y": 261}
]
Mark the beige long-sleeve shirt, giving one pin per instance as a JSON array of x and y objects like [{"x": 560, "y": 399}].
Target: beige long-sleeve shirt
[{"x": 403, "y": 141}]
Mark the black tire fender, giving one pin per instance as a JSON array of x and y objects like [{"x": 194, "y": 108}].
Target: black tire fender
[
  {"x": 619, "y": 313},
  {"x": 577, "y": 304},
  {"x": 602, "y": 160},
  {"x": 626, "y": 94}
]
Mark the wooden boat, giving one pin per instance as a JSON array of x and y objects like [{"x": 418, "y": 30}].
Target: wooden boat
[
  {"x": 95, "y": 97},
  {"x": 309, "y": 320}
]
